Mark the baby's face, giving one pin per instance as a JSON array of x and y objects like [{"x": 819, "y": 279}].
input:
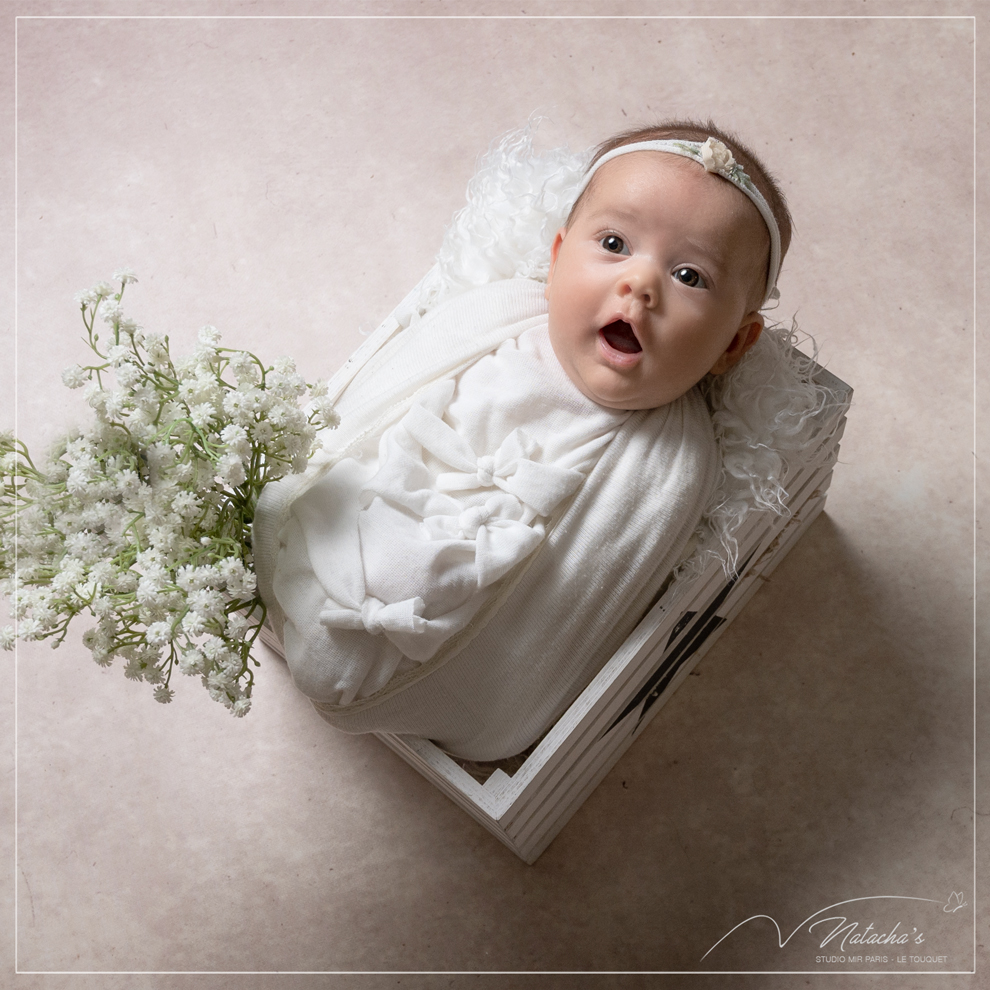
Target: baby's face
[{"x": 656, "y": 282}]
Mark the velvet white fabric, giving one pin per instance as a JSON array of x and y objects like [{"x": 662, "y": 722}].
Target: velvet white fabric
[{"x": 478, "y": 643}]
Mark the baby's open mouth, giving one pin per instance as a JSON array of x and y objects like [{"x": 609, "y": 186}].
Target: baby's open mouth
[{"x": 620, "y": 336}]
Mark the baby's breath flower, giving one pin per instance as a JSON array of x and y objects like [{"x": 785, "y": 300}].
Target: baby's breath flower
[
  {"x": 211, "y": 647},
  {"x": 235, "y": 437},
  {"x": 126, "y": 582},
  {"x": 183, "y": 473},
  {"x": 163, "y": 538},
  {"x": 74, "y": 377},
  {"x": 164, "y": 694},
  {"x": 245, "y": 368},
  {"x": 86, "y": 297},
  {"x": 102, "y": 606},
  {"x": 110, "y": 311},
  {"x": 127, "y": 482},
  {"x": 192, "y": 662},
  {"x": 262, "y": 432},
  {"x": 96, "y": 397},
  {"x": 231, "y": 469},
  {"x": 241, "y": 405},
  {"x": 102, "y": 572},
  {"x": 326, "y": 413},
  {"x": 239, "y": 581},
  {"x": 124, "y": 276},
  {"x": 207, "y": 602},
  {"x": 202, "y": 414},
  {"x": 171, "y": 410},
  {"x": 186, "y": 504},
  {"x": 114, "y": 404},
  {"x": 141, "y": 425},
  {"x": 210, "y": 336},
  {"x": 45, "y": 615},
  {"x": 278, "y": 416},
  {"x": 147, "y": 590},
  {"x": 189, "y": 577},
  {"x": 156, "y": 348},
  {"x": 28, "y": 628},
  {"x": 128, "y": 374},
  {"x": 160, "y": 455},
  {"x": 219, "y": 680},
  {"x": 194, "y": 624},
  {"x": 70, "y": 573},
  {"x": 237, "y": 626},
  {"x": 85, "y": 546},
  {"x": 7, "y": 638}
]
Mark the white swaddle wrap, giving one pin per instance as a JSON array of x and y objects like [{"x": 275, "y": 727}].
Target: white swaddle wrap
[{"x": 410, "y": 571}]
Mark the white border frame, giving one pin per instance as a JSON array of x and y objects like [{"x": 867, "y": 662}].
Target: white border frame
[{"x": 639, "y": 16}]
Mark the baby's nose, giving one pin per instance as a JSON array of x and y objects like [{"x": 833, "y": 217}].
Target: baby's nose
[{"x": 643, "y": 281}]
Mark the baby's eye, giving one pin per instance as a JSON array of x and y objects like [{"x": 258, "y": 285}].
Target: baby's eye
[
  {"x": 690, "y": 278},
  {"x": 613, "y": 244}
]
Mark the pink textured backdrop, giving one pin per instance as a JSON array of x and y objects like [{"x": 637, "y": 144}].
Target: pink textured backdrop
[{"x": 288, "y": 180}]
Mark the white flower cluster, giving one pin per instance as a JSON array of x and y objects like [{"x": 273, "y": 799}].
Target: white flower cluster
[{"x": 144, "y": 519}]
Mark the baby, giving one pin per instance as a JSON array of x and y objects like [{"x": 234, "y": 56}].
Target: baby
[{"x": 517, "y": 472}]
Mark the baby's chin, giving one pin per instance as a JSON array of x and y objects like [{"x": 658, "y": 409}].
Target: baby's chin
[{"x": 619, "y": 396}]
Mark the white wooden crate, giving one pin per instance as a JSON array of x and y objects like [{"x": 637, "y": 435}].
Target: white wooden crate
[{"x": 527, "y": 809}]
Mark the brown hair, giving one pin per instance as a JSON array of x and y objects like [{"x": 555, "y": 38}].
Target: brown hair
[{"x": 693, "y": 130}]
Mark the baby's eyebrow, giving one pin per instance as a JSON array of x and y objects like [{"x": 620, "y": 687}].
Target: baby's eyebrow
[
  {"x": 714, "y": 253},
  {"x": 613, "y": 212}
]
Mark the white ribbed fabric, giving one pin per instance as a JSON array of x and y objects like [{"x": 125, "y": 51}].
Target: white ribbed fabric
[{"x": 512, "y": 645}]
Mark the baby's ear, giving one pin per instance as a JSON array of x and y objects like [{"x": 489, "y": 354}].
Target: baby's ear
[
  {"x": 747, "y": 335},
  {"x": 554, "y": 250}
]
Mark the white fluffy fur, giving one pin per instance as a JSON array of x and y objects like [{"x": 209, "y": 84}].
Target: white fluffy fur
[{"x": 763, "y": 409}]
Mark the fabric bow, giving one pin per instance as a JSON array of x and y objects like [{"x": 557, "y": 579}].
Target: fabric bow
[
  {"x": 376, "y": 617},
  {"x": 511, "y": 468}
]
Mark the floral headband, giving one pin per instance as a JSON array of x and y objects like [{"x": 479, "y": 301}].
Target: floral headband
[{"x": 714, "y": 157}]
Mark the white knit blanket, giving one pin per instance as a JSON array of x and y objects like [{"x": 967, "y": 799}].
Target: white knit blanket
[{"x": 478, "y": 537}]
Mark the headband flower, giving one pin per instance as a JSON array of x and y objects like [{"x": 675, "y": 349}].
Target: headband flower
[{"x": 716, "y": 157}]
